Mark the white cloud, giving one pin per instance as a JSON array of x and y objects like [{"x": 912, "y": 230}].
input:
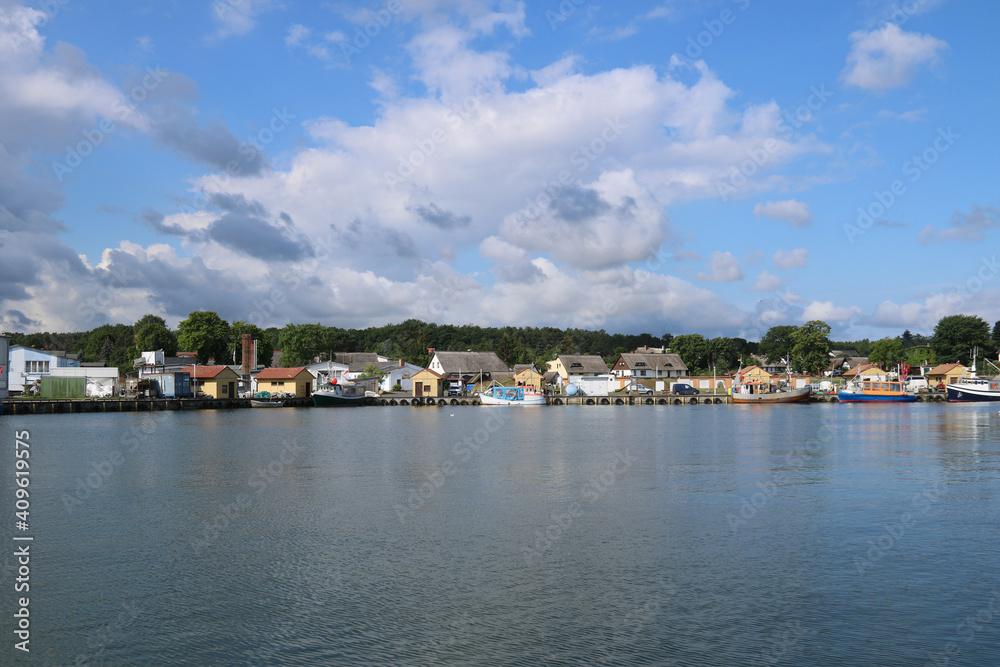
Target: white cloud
[
  {"x": 767, "y": 282},
  {"x": 238, "y": 17},
  {"x": 970, "y": 227},
  {"x": 791, "y": 211},
  {"x": 791, "y": 259},
  {"x": 724, "y": 268},
  {"x": 826, "y": 311},
  {"x": 297, "y": 34},
  {"x": 888, "y": 57}
]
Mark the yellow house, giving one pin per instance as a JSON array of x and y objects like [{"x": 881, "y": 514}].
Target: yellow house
[
  {"x": 946, "y": 373},
  {"x": 295, "y": 380},
  {"x": 428, "y": 383},
  {"x": 215, "y": 381},
  {"x": 755, "y": 374},
  {"x": 528, "y": 377}
]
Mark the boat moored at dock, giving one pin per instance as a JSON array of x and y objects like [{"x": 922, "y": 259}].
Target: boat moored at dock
[
  {"x": 500, "y": 395},
  {"x": 875, "y": 391}
]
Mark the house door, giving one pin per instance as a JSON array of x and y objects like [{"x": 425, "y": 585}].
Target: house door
[
  {"x": 232, "y": 390},
  {"x": 418, "y": 389}
]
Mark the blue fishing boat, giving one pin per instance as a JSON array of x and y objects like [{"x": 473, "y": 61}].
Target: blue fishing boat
[{"x": 876, "y": 391}]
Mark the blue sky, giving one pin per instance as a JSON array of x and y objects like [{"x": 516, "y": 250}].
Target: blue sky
[{"x": 683, "y": 166}]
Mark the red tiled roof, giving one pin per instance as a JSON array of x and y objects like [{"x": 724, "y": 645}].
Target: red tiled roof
[
  {"x": 203, "y": 372},
  {"x": 281, "y": 373}
]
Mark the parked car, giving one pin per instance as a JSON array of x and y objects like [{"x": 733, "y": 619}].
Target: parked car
[
  {"x": 640, "y": 389},
  {"x": 680, "y": 388}
]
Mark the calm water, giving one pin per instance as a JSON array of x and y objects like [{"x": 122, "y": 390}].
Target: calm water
[{"x": 708, "y": 535}]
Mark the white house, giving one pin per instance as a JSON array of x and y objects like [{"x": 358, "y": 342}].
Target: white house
[
  {"x": 28, "y": 365},
  {"x": 398, "y": 373},
  {"x": 587, "y": 371}
]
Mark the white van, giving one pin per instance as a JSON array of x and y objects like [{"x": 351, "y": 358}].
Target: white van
[{"x": 916, "y": 383}]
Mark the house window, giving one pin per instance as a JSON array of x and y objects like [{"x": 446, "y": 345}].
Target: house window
[
  {"x": 225, "y": 389},
  {"x": 640, "y": 363},
  {"x": 575, "y": 365}
]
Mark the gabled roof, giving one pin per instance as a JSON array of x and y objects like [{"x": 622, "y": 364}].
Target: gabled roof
[
  {"x": 459, "y": 362},
  {"x": 282, "y": 373},
  {"x": 583, "y": 363},
  {"x": 944, "y": 369},
  {"x": 356, "y": 361},
  {"x": 858, "y": 370},
  {"x": 522, "y": 367},
  {"x": 754, "y": 369},
  {"x": 664, "y": 362},
  {"x": 434, "y": 373},
  {"x": 205, "y": 372},
  {"x": 526, "y": 369}
]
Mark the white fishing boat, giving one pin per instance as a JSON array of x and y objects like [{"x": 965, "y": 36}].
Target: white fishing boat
[
  {"x": 970, "y": 387},
  {"x": 497, "y": 394}
]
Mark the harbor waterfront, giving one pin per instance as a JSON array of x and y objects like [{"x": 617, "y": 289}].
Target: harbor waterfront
[{"x": 789, "y": 534}]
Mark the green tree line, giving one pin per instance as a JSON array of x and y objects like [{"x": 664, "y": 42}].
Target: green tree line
[{"x": 806, "y": 347}]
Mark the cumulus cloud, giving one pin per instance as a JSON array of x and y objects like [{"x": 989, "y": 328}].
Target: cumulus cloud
[
  {"x": 723, "y": 268},
  {"x": 767, "y": 282},
  {"x": 791, "y": 259},
  {"x": 970, "y": 227},
  {"x": 238, "y": 17},
  {"x": 828, "y": 312},
  {"x": 888, "y": 57},
  {"x": 791, "y": 211},
  {"x": 580, "y": 183}
]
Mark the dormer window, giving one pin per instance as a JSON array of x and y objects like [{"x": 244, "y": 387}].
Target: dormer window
[{"x": 640, "y": 363}]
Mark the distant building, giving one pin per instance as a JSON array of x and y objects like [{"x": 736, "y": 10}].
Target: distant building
[
  {"x": 588, "y": 372},
  {"x": 215, "y": 381},
  {"x": 400, "y": 373},
  {"x": 27, "y": 366},
  {"x": 528, "y": 376},
  {"x": 479, "y": 367},
  {"x": 429, "y": 383},
  {"x": 297, "y": 381},
  {"x": 658, "y": 367},
  {"x": 946, "y": 373}
]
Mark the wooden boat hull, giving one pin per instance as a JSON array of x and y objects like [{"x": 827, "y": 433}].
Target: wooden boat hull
[
  {"x": 261, "y": 403},
  {"x": 793, "y": 396}
]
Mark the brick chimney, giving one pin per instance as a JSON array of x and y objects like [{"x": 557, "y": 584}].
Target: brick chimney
[{"x": 401, "y": 363}]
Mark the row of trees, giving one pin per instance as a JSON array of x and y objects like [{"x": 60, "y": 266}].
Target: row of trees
[{"x": 807, "y": 347}]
